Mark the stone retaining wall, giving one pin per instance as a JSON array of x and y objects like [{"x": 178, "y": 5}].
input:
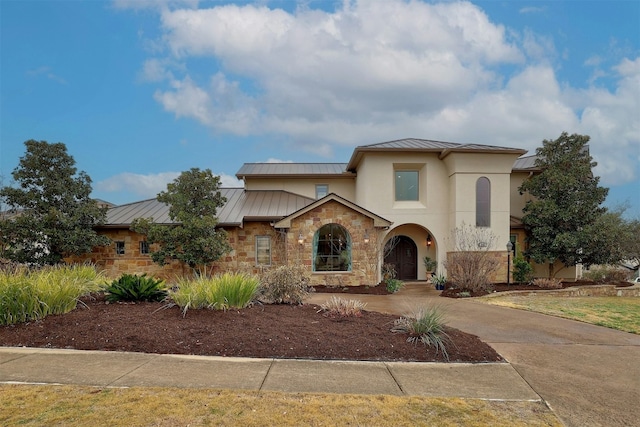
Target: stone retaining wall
[{"x": 581, "y": 291}]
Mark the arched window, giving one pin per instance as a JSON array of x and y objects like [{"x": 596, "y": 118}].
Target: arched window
[
  {"x": 332, "y": 249},
  {"x": 483, "y": 202}
]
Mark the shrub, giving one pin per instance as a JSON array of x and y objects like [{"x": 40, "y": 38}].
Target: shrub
[
  {"x": 425, "y": 325},
  {"x": 471, "y": 265},
  {"x": 522, "y": 270},
  {"x": 27, "y": 295},
  {"x": 229, "y": 290},
  {"x": 394, "y": 285},
  {"x": 337, "y": 306},
  {"x": 546, "y": 283},
  {"x": 131, "y": 287},
  {"x": 606, "y": 274},
  {"x": 284, "y": 285},
  {"x": 388, "y": 272}
]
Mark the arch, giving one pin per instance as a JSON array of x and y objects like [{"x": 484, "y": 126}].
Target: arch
[
  {"x": 332, "y": 248},
  {"x": 483, "y": 202},
  {"x": 403, "y": 255}
]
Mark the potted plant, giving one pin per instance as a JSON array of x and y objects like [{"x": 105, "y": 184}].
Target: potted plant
[
  {"x": 430, "y": 265},
  {"x": 439, "y": 282}
]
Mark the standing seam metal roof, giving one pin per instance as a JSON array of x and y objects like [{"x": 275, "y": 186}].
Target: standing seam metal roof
[
  {"x": 241, "y": 205},
  {"x": 291, "y": 169}
]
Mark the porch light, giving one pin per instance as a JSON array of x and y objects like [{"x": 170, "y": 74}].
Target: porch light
[
  {"x": 366, "y": 237},
  {"x": 429, "y": 242},
  {"x": 300, "y": 238}
]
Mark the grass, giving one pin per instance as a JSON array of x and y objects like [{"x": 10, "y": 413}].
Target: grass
[
  {"x": 37, "y": 405},
  {"x": 622, "y": 313},
  {"x": 217, "y": 293},
  {"x": 30, "y": 295}
]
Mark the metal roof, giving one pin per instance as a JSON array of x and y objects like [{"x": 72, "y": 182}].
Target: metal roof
[
  {"x": 425, "y": 145},
  {"x": 241, "y": 205},
  {"x": 526, "y": 164},
  {"x": 291, "y": 169}
]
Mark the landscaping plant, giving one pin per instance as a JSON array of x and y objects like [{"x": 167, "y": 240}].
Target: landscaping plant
[
  {"x": 131, "y": 287},
  {"x": 471, "y": 265},
  {"x": 546, "y": 283},
  {"x": 425, "y": 325},
  {"x": 27, "y": 295},
  {"x": 229, "y": 290},
  {"x": 336, "y": 306},
  {"x": 284, "y": 285},
  {"x": 522, "y": 270},
  {"x": 606, "y": 274},
  {"x": 394, "y": 285}
]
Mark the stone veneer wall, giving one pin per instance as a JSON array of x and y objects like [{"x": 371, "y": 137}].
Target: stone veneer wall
[
  {"x": 241, "y": 259},
  {"x": 363, "y": 255},
  {"x": 132, "y": 261}
]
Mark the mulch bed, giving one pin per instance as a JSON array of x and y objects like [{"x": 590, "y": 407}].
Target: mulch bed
[
  {"x": 451, "y": 292},
  {"x": 264, "y": 331}
]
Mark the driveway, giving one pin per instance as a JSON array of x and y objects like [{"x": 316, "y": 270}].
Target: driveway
[{"x": 589, "y": 375}]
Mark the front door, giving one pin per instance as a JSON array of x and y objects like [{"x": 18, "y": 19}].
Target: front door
[{"x": 404, "y": 257}]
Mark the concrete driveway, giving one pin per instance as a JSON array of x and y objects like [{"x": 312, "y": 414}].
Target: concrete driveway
[{"x": 589, "y": 375}]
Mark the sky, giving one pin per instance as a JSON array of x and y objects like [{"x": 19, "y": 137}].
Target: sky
[{"x": 141, "y": 90}]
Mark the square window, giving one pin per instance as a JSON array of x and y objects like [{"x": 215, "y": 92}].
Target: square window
[
  {"x": 144, "y": 247},
  {"x": 321, "y": 190},
  {"x": 406, "y": 185},
  {"x": 263, "y": 250},
  {"x": 119, "y": 248}
]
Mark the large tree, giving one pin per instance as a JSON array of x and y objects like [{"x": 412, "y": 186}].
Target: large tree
[
  {"x": 563, "y": 216},
  {"x": 51, "y": 215},
  {"x": 193, "y": 199}
]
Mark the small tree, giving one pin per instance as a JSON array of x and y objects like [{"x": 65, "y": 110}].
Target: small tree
[
  {"x": 566, "y": 204},
  {"x": 51, "y": 214},
  {"x": 471, "y": 265},
  {"x": 193, "y": 200}
]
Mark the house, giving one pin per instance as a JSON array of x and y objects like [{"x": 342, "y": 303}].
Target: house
[{"x": 337, "y": 219}]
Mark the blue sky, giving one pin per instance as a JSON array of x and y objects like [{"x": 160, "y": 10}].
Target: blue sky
[{"x": 141, "y": 90}]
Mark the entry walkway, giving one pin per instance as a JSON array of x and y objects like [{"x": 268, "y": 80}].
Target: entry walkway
[{"x": 589, "y": 375}]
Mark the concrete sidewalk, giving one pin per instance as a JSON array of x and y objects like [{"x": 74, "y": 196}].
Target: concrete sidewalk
[{"x": 496, "y": 381}]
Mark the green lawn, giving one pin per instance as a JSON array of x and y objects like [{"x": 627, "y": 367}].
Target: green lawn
[{"x": 622, "y": 313}]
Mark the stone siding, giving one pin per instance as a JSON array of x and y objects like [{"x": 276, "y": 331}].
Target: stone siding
[
  {"x": 501, "y": 257},
  {"x": 355, "y": 223}
]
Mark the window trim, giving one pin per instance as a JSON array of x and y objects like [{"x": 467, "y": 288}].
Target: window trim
[
  {"x": 268, "y": 249},
  {"x": 483, "y": 202},
  {"x": 120, "y": 247},
  {"x": 333, "y": 253},
  {"x": 326, "y": 192},
  {"x": 143, "y": 246},
  {"x": 396, "y": 171}
]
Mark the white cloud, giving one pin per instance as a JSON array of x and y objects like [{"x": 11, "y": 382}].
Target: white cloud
[
  {"x": 374, "y": 71},
  {"x": 146, "y": 186}
]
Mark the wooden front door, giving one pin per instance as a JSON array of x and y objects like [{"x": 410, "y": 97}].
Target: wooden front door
[{"x": 404, "y": 257}]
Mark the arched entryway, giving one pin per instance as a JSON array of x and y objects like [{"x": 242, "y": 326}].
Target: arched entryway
[{"x": 402, "y": 252}]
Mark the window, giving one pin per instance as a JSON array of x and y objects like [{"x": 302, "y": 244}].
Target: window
[
  {"x": 119, "y": 248},
  {"x": 321, "y": 190},
  {"x": 263, "y": 250},
  {"x": 483, "y": 202},
  {"x": 406, "y": 185},
  {"x": 332, "y": 249},
  {"x": 144, "y": 247}
]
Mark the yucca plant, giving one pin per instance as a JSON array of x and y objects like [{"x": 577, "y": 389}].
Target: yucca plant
[
  {"x": 425, "y": 325},
  {"x": 131, "y": 287}
]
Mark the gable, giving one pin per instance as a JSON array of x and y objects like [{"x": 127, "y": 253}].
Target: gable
[{"x": 378, "y": 221}]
